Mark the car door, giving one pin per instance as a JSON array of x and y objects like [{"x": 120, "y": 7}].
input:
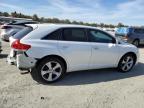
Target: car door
[
  {"x": 74, "y": 46},
  {"x": 105, "y": 51}
]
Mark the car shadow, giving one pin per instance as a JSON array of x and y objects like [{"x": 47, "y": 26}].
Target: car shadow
[
  {"x": 97, "y": 76},
  {"x": 141, "y": 46},
  {"x": 3, "y": 56}
]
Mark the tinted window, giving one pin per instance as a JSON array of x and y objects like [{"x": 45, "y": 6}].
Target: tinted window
[
  {"x": 74, "y": 34},
  {"x": 53, "y": 36},
  {"x": 23, "y": 33},
  {"x": 139, "y": 31},
  {"x": 143, "y": 31},
  {"x": 99, "y": 36}
]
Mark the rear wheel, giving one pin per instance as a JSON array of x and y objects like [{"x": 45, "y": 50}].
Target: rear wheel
[
  {"x": 136, "y": 42},
  {"x": 49, "y": 70},
  {"x": 126, "y": 63}
]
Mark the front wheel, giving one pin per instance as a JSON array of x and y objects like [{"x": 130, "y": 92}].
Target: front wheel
[
  {"x": 126, "y": 63},
  {"x": 49, "y": 70}
]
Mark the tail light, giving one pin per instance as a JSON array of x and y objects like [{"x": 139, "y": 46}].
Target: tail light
[{"x": 20, "y": 46}]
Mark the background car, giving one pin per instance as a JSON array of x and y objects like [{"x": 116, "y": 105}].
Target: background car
[
  {"x": 11, "y": 59},
  {"x": 11, "y": 29},
  {"x": 51, "y": 50},
  {"x": 134, "y": 35}
]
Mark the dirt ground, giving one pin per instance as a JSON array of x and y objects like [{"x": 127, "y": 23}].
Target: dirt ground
[{"x": 104, "y": 88}]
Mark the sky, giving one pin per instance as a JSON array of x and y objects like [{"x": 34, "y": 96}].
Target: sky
[{"x": 129, "y": 12}]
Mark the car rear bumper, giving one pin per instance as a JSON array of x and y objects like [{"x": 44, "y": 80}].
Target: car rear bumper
[{"x": 24, "y": 62}]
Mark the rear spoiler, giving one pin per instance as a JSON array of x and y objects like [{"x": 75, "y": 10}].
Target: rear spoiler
[{"x": 34, "y": 26}]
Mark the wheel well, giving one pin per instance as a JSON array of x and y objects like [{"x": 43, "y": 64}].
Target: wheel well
[
  {"x": 55, "y": 56},
  {"x": 136, "y": 39},
  {"x": 131, "y": 53}
]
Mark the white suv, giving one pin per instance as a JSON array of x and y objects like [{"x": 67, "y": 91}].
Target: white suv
[{"x": 51, "y": 50}]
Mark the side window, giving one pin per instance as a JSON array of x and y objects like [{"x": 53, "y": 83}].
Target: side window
[
  {"x": 139, "y": 31},
  {"x": 74, "y": 34},
  {"x": 100, "y": 37},
  {"x": 53, "y": 36}
]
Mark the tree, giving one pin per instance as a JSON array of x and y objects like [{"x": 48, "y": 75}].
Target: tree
[
  {"x": 42, "y": 19},
  {"x": 56, "y": 20},
  {"x": 102, "y": 25},
  {"x": 75, "y": 22},
  {"x": 1, "y": 14},
  {"x": 67, "y": 21},
  {"x": 14, "y": 14},
  {"x": 35, "y": 17},
  {"x": 6, "y": 14},
  {"x": 120, "y": 25}
]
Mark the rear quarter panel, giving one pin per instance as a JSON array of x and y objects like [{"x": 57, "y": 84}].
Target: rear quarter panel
[{"x": 41, "y": 48}]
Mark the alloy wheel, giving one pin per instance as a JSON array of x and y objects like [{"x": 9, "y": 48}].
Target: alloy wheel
[
  {"x": 51, "y": 71},
  {"x": 127, "y": 63}
]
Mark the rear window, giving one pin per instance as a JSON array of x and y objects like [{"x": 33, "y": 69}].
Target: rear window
[{"x": 22, "y": 33}]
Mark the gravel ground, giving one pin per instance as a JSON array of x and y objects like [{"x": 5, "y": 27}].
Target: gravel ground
[{"x": 88, "y": 89}]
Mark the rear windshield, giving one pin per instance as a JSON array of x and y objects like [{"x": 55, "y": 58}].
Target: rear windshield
[{"x": 22, "y": 33}]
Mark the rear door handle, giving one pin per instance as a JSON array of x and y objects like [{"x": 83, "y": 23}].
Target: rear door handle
[
  {"x": 96, "y": 48},
  {"x": 64, "y": 47}
]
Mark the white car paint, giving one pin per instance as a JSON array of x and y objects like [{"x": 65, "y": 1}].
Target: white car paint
[{"x": 78, "y": 55}]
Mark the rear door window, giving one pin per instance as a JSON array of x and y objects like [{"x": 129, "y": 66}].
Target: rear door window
[
  {"x": 22, "y": 33},
  {"x": 74, "y": 34}
]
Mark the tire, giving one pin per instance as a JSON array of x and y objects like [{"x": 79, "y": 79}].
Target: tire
[
  {"x": 126, "y": 63},
  {"x": 136, "y": 42},
  {"x": 49, "y": 70}
]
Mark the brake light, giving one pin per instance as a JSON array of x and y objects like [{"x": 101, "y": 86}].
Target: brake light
[{"x": 20, "y": 46}]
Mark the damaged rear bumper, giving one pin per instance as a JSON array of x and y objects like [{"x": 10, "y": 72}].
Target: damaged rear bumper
[{"x": 23, "y": 62}]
